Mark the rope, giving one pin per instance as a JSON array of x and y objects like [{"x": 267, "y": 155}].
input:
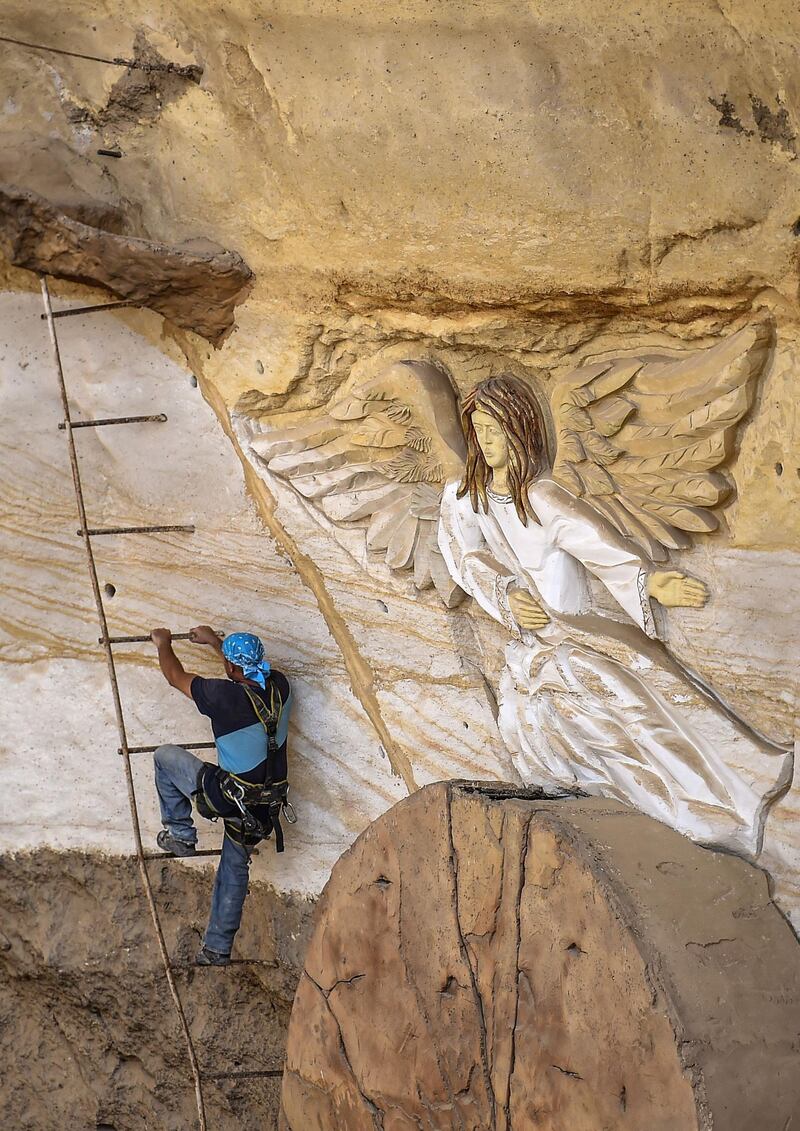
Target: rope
[
  {"x": 192, "y": 71},
  {"x": 123, "y": 738}
]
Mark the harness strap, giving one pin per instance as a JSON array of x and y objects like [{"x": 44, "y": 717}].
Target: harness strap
[
  {"x": 275, "y": 817},
  {"x": 269, "y": 719},
  {"x": 247, "y": 828}
]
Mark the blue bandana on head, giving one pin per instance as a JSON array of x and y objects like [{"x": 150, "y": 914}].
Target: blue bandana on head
[{"x": 246, "y": 651}]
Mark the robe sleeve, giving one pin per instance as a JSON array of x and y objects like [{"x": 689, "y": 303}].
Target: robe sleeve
[
  {"x": 576, "y": 528},
  {"x": 469, "y": 561}
]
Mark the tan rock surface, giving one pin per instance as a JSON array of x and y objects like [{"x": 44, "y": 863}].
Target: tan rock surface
[
  {"x": 89, "y": 1038},
  {"x": 499, "y": 186},
  {"x": 480, "y": 959},
  {"x": 196, "y": 289},
  {"x": 228, "y": 573}
]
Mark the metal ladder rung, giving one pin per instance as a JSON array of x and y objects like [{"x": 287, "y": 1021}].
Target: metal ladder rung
[
  {"x": 157, "y": 418},
  {"x": 137, "y": 639},
  {"x": 272, "y": 963},
  {"x": 192, "y": 966},
  {"x": 91, "y": 309},
  {"x": 152, "y": 749},
  {"x": 94, "y": 532},
  {"x": 244, "y": 1075}
]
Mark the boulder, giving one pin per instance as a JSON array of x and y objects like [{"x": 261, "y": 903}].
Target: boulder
[{"x": 485, "y": 957}]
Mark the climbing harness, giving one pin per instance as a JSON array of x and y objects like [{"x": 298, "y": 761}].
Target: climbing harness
[{"x": 246, "y": 798}]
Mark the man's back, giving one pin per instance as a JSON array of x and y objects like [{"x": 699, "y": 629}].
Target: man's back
[{"x": 240, "y": 736}]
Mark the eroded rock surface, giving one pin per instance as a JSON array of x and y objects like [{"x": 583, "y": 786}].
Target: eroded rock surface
[
  {"x": 485, "y": 959},
  {"x": 196, "y": 288},
  {"x": 88, "y": 1034}
]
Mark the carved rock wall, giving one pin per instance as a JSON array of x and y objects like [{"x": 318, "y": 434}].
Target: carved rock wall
[
  {"x": 480, "y": 959},
  {"x": 228, "y": 573},
  {"x": 497, "y": 187}
]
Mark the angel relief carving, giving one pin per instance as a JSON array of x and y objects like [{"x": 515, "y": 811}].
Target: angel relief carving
[{"x": 471, "y": 502}]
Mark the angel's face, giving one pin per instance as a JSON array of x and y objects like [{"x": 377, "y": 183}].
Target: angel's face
[{"x": 491, "y": 439}]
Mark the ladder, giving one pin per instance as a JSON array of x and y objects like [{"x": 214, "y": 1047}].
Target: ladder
[{"x": 87, "y": 533}]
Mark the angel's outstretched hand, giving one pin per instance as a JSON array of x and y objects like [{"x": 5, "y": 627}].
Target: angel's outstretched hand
[
  {"x": 676, "y": 590},
  {"x": 527, "y": 610}
]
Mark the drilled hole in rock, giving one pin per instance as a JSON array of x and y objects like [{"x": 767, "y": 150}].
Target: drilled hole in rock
[{"x": 109, "y": 589}]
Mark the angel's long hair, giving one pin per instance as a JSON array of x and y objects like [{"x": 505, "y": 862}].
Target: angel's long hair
[{"x": 515, "y": 408}]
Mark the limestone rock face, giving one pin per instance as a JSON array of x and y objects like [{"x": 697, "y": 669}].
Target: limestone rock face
[
  {"x": 495, "y": 188},
  {"x": 482, "y": 958},
  {"x": 195, "y": 289},
  {"x": 229, "y": 573}
]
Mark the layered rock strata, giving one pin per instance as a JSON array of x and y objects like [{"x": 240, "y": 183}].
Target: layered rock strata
[
  {"x": 494, "y": 188},
  {"x": 88, "y": 1035}
]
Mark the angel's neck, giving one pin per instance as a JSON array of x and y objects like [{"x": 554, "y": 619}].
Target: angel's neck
[{"x": 499, "y": 481}]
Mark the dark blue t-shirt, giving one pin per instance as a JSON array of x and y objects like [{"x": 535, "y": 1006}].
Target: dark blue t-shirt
[{"x": 240, "y": 737}]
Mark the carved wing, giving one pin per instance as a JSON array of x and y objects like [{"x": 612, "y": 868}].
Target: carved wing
[
  {"x": 379, "y": 457},
  {"x": 643, "y": 439}
]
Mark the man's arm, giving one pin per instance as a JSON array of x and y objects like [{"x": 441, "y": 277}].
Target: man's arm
[{"x": 171, "y": 667}]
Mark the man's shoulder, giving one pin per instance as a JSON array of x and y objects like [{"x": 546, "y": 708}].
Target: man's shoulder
[
  {"x": 208, "y": 692},
  {"x": 211, "y": 684},
  {"x": 281, "y": 682}
]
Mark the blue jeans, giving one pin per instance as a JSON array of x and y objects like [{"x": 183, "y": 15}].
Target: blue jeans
[{"x": 176, "y": 780}]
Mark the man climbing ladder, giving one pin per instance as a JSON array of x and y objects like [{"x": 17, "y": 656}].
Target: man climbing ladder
[{"x": 249, "y": 714}]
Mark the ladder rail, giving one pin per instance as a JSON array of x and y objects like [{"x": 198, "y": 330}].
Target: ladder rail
[{"x": 141, "y": 856}]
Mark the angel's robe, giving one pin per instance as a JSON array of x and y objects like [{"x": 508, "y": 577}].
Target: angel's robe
[{"x": 598, "y": 702}]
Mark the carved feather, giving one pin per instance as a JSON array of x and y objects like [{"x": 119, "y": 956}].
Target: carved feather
[
  {"x": 378, "y": 431},
  {"x": 324, "y": 457},
  {"x": 659, "y": 429},
  {"x": 351, "y": 506},
  {"x": 383, "y": 524},
  {"x": 353, "y": 477},
  {"x": 696, "y": 519},
  {"x": 611, "y": 414},
  {"x": 598, "y": 447},
  {"x": 570, "y": 448},
  {"x": 722, "y": 413},
  {"x": 594, "y": 479},
  {"x": 422, "y": 555},
  {"x": 399, "y": 413},
  {"x": 357, "y": 407},
  {"x": 704, "y": 490},
  {"x": 298, "y": 438},
  {"x": 418, "y": 440},
  {"x": 400, "y": 550},
  {"x": 425, "y": 502},
  {"x": 616, "y": 377},
  {"x": 377, "y": 457},
  {"x": 413, "y": 467},
  {"x": 630, "y": 526}
]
